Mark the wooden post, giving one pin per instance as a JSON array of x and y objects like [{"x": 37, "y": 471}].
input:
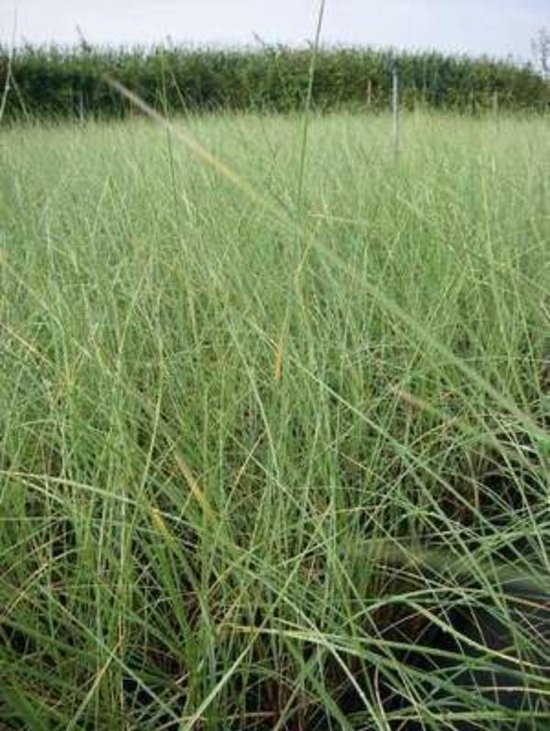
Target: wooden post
[
  {"x": 395, "y": 109},
  {"x": 495, "y": 102},
  {"x": 6, "y": 91},
  {"x": 369, "y": 93},
  {"x": 81, "y": 107}
]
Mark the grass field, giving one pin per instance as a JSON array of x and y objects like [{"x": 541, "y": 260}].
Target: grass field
[{"x": 274, "y": 447}]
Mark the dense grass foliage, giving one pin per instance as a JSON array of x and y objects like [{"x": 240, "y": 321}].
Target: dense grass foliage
[
  {"x": 55, "y": 82},
  {"x": 274, "y": 446}
]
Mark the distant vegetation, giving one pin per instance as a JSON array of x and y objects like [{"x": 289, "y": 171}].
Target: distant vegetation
[{"x": 54, "y": 82}]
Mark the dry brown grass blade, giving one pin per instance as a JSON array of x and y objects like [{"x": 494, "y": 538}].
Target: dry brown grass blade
[
  {"x": 194, "y": 487},
  {"x": 201, "y": 152}
]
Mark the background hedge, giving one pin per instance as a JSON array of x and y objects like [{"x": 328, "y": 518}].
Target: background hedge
[{"x": 56, "y": 82}]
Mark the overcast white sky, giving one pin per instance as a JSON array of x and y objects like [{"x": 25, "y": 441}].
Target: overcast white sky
[{"x": 496, "y": 27}]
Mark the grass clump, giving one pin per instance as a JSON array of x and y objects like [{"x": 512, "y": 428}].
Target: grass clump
[{"x": 269, "y": 463}]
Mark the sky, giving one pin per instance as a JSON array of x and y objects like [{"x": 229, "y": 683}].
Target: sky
[{"x": 498, "y": 28}]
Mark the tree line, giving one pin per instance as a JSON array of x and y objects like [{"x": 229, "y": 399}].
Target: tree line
[{"x": 53, "y": 82}]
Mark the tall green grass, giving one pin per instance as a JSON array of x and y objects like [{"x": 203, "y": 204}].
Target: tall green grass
[{"x": 257, "y": 448}]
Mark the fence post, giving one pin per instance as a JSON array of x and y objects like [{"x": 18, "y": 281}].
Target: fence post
[
  {"x": 495, "y": 102},
  {"x": 6, "y": 90},
  {"x": 395, "y": 110},
  {"x": 81, "y": 115}
]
